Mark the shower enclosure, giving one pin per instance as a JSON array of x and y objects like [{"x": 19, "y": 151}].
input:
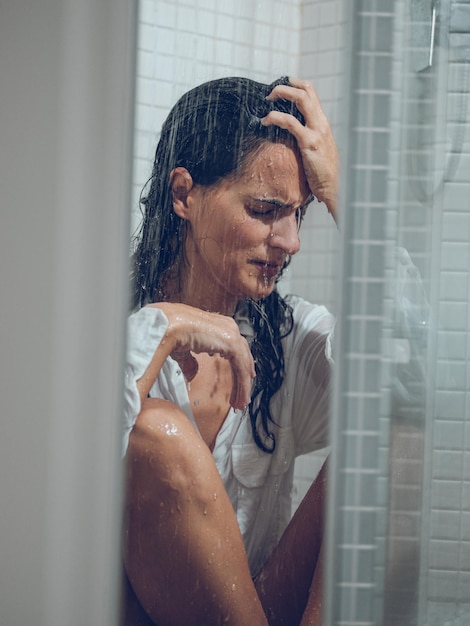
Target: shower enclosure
[{"x": 393, "y": 77}]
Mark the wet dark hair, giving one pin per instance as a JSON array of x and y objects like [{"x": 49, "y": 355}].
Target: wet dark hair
[{"x": 212, "y": 131}]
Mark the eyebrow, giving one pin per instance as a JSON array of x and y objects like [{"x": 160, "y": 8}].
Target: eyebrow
[{"x": 283, "y": 205}]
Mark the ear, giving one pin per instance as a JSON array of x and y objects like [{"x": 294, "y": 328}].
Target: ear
[{"x": 181, "y": 183}]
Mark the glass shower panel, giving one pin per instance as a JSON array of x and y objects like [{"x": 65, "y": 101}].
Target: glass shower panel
[{"x": 400, "y": 505}]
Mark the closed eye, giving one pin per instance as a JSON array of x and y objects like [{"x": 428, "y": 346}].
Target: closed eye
[
  {"x": 264, "y": 208},
  {"x": 272, "y": 209}
]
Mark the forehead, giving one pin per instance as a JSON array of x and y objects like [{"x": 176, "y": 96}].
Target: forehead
[{"x": 274, "y": 169}]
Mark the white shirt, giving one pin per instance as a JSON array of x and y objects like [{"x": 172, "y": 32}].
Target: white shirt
[{"x": 258, "y": 484}]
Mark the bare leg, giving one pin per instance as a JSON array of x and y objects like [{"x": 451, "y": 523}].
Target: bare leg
[
  {"x": 313, "y": 613},
  {"x": 183, "y": 551},
  {"x": 290, "y": 584},
  {"x": 132, "y": 612}
]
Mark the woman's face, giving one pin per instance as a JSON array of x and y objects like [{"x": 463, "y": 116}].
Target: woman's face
[{"x": 242, "y": 230}]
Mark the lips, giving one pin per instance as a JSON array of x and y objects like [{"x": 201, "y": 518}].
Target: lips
[{"x": 268, "y": 269}]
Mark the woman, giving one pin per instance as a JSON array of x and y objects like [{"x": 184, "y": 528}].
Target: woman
[{"x": 226, "y": 381}]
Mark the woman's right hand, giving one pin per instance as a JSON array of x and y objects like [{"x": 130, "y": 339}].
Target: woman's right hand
[{"x": 192, "y": 330}]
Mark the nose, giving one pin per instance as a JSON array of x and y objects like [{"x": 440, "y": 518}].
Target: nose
[{"x": 285, "y": 234}]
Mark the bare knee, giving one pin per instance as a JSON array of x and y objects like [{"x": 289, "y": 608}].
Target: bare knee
[
  {"x": 165, "y": 456},
  {"x": 159, "y": 423},
  {"x": 162, "y": 423}
]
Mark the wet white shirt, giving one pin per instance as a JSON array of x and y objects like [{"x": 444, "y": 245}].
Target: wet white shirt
[{"x": 259, "y": 485}]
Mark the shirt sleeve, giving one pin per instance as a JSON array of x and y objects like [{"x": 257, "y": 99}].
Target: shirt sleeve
[
  {"x": 145, "y": 330},
  {"x": 309, "y": 371}
]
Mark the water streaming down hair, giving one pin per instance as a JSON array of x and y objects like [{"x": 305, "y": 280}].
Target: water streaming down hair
[{"x": 211, "y": 131}]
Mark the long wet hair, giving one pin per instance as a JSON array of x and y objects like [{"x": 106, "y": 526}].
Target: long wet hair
[{"x": 212, "y": 131}]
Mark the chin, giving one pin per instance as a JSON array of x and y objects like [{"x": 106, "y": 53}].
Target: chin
[{"x": 260, "y": 291}]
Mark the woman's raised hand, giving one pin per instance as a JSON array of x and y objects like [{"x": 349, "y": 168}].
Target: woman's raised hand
[
  {"x": 192, "y": 330},
  {"x": 315, "y": 140}
]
